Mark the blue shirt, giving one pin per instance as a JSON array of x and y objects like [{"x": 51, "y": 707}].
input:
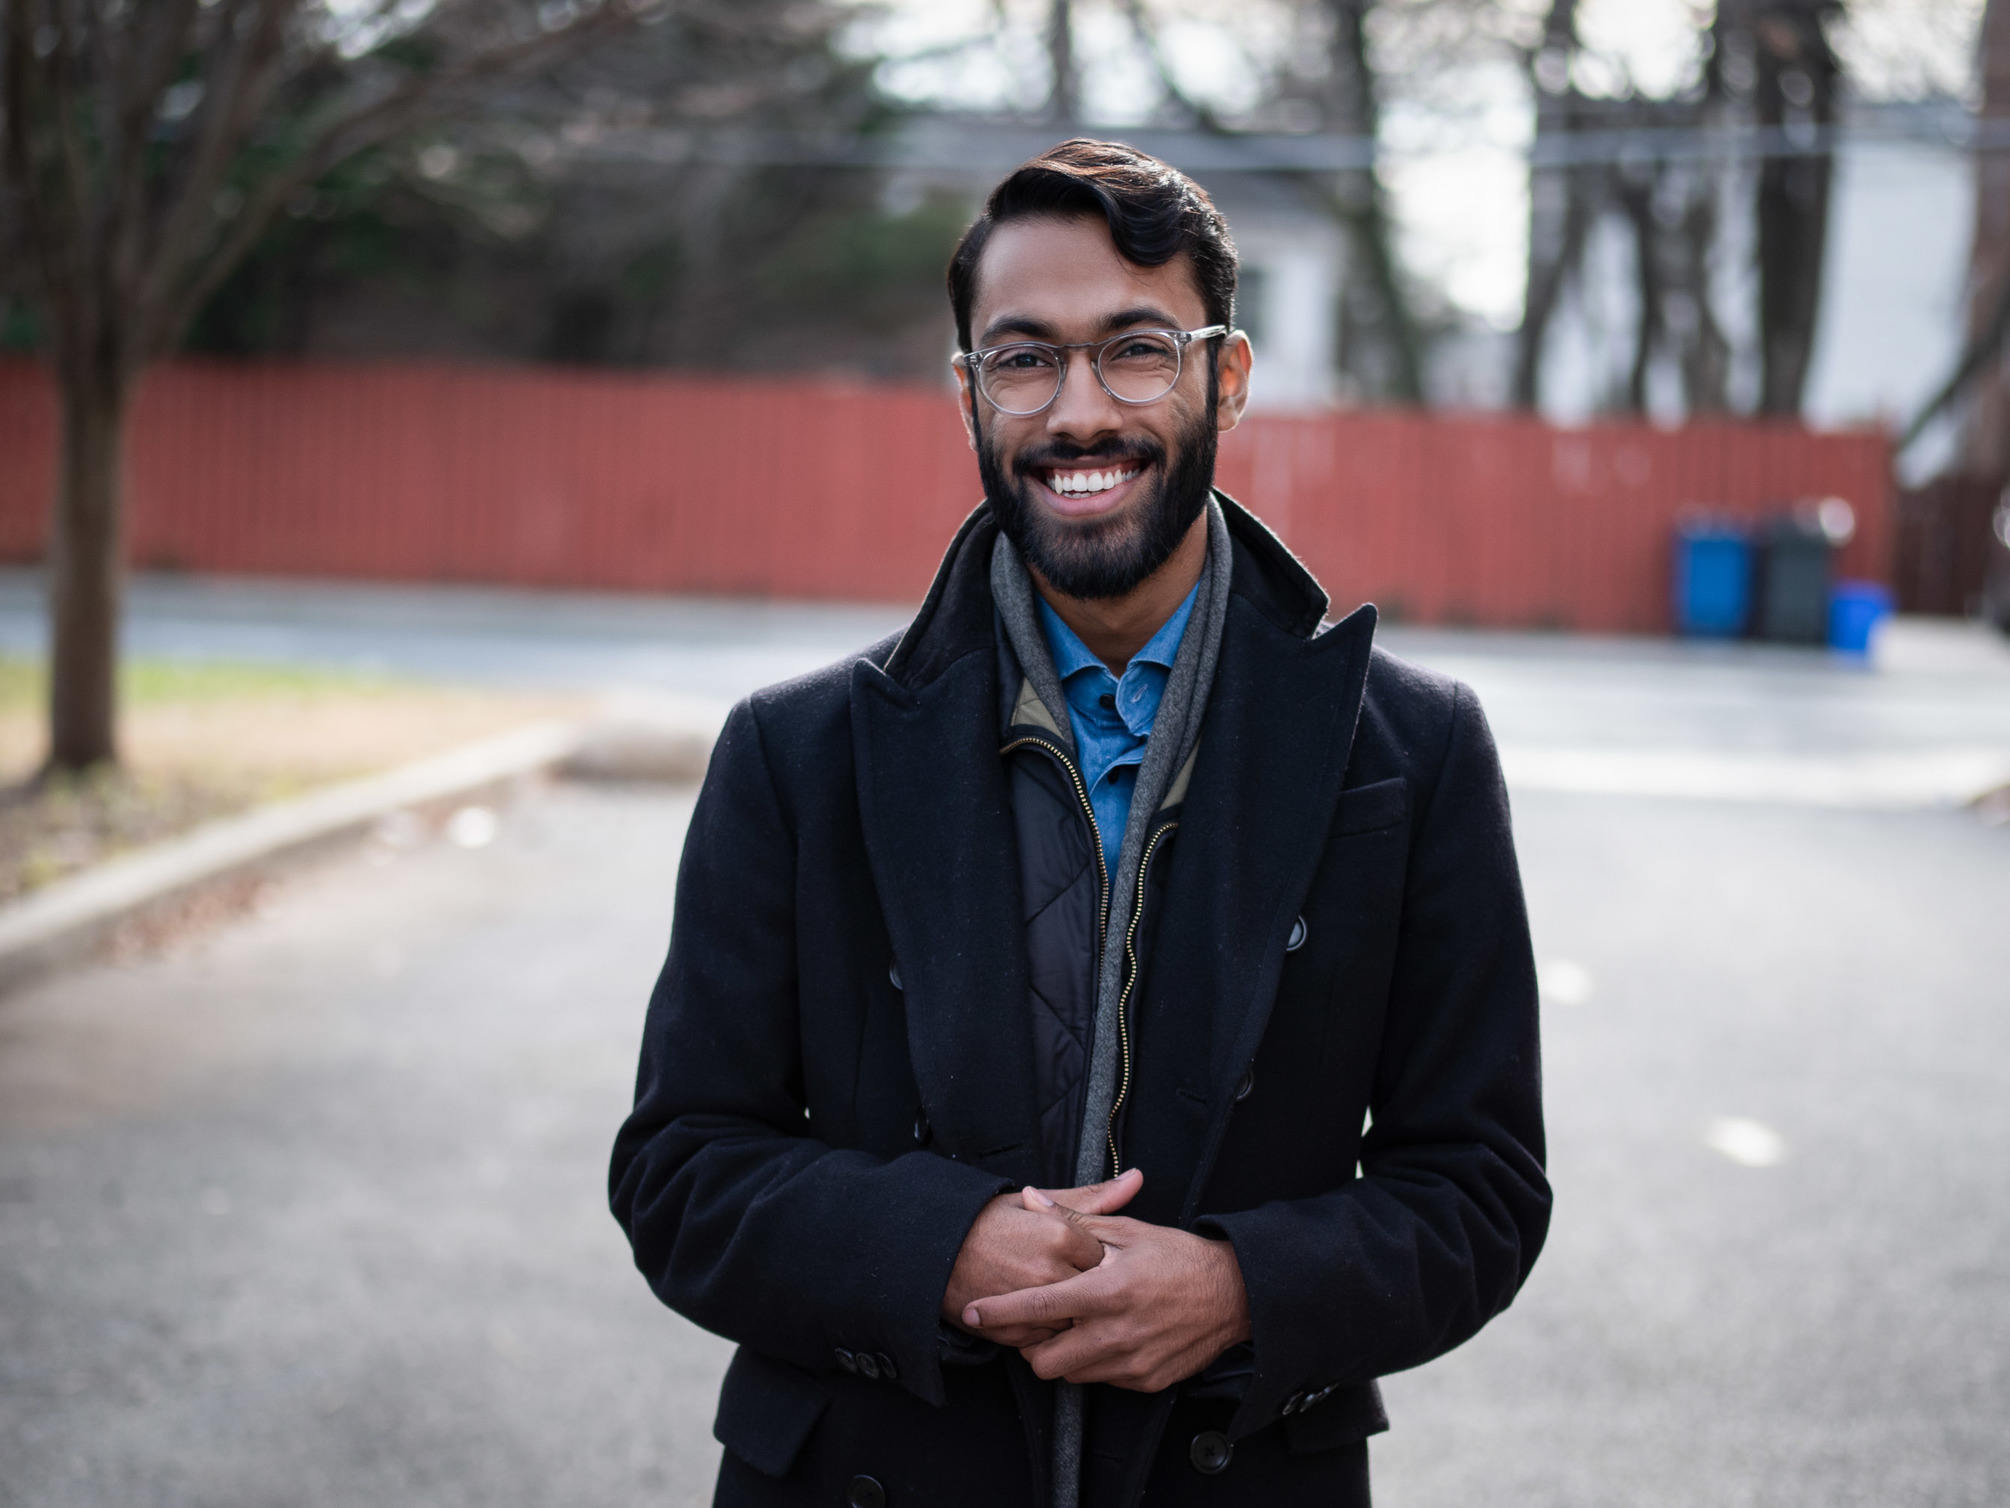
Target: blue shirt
[{"x": 1112, "y": 717}]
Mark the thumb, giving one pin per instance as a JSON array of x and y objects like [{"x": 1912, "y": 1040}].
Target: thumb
[{"x": 1101, "y": 1198}]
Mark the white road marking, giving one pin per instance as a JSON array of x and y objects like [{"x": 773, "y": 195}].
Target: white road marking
[
  {"x": 1749, "y": 1143},
  {"x": 1563, "y": 982},
  {"x": 473, "y": 827}
]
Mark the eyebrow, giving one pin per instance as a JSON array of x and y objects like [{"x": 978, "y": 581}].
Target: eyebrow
[{"x": 1036, "y": 329}]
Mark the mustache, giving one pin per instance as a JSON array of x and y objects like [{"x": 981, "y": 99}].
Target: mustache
[{"x": 1064, "y": 454}]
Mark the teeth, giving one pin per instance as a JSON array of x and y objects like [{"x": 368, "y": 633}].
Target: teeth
[{"x": 1079, "y": 482}]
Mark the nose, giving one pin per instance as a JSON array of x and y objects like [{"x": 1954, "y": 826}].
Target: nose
[{"x": 1083, "y": 410}]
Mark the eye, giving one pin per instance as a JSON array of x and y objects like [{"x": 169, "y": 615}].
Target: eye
[{"x": 1020, "y": 359}]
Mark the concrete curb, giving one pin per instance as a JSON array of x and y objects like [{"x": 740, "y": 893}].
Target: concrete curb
[{"x": 68, "y": 920}]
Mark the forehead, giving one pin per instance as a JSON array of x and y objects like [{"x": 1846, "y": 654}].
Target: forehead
[{"x": 1065, "y": 273}]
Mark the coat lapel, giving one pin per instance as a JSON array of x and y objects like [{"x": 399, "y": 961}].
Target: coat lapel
[
  {"x": 1274, "y": 748},
  {"x": 939, "y": 839}
]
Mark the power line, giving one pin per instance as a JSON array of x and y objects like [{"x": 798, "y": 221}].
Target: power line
[{"x": 946, "y": 144}]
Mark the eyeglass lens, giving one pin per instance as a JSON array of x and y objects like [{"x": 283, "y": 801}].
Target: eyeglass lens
[{"x": 1024, "y": 379}]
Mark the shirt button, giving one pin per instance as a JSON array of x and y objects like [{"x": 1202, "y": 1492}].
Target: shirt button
[{"x": 1106, "y": 701}]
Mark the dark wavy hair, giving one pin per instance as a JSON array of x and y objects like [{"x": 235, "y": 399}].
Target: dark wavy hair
[{"x": 1154, "y": 212}]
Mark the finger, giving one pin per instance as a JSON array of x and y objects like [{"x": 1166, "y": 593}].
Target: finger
[
  {"x": 1110, "y": 1232},
  {"x": 1078, "y": 1247},
  {"x": 1019, "y": 1337},
  {"x": 1072, "y": 1354},
  {"x": 1099, "y": 1198},
  {"x": 1050, "y": 1305}
]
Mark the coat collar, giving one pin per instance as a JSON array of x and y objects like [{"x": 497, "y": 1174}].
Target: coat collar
[
  {"x": 939, "y": 838},
  {"x": 957, "y": 614}
]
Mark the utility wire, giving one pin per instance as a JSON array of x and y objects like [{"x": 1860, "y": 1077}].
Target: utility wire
[{"x": 979, "y": 147}]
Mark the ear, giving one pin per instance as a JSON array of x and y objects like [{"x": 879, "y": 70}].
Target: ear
[
  {"x": 966, "y": 402},
  {"x": 1232, "y": 386}
]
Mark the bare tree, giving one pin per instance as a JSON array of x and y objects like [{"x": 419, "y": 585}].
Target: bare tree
[
  {"x": 1382, "y": 342},
  {"x": 1563, "y": 199},
  {"x": 145, "y": 145},
  {"x": 1064, "y": 103},
  {"x": 1796, "y": 79},
  {"x": 1985, "y": 366}
]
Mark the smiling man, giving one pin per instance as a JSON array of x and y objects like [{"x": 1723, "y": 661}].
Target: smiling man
[{"x": 1098, "y": 1038}]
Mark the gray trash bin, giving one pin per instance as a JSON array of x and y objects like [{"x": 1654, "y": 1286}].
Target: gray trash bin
[{"x": 1796, "y": 572}]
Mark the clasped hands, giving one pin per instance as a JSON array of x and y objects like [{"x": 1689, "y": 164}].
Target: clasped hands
[{"x": 1090, "y": 1296}]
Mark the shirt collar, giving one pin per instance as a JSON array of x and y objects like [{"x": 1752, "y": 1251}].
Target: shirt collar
[{"x": 1071, "y": 655}]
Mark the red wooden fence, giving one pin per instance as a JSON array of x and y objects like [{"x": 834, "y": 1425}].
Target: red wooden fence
[{"x": 676, "y": 483}]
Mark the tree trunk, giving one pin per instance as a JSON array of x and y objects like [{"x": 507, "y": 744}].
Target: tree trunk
[
  {"x": 86, "y": 562},
  {"x": 1985, "y": 440},
  {"x": 1559, "y": 201},
  {"x": 1355, "y": 106},
  {"x": 1064, "y": 105},
  {"x": 1636, "y": 198},
  {"x": 1793, "y": 199}
]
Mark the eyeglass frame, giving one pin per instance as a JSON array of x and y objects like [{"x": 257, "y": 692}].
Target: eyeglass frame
[{"x": 1181, "y": 339}]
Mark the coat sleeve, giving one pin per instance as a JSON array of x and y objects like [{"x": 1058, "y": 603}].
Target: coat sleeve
[
  {"x": 741, "y": 1219},
  {"x": 1439, "y": 1231}
]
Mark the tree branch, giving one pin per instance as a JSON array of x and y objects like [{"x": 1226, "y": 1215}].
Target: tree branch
[
  {"x": 237, "y": 83},
  {"x": 1983, "y": 347},
  {"x": 51, "y": 237},
  {"x": 180, "y": 290},
  {"x": 148, "y": 67}
]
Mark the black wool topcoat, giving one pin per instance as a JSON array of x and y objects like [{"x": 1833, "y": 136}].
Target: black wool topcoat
[{"x": 837, "y": 1066}]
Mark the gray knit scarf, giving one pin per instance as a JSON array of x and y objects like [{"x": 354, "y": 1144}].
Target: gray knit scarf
[{"x": 1175, "y": 732}]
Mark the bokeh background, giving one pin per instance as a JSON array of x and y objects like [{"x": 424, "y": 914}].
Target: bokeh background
[{"x": 389, "y": 382}]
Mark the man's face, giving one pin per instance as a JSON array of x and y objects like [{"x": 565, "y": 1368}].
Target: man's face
[{"x": 1048, "y": 475}]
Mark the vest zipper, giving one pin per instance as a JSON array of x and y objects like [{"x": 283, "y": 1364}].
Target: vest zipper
[
  {"x": 1124, "y": 998},
  {"x": 1035, "y": 740},
  {"x": 1060, "y": 754}
]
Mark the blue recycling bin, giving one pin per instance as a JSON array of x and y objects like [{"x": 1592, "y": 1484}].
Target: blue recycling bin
[
  {"x": 1855, "y": 610},
  {"x": 1713, "y": 579}
]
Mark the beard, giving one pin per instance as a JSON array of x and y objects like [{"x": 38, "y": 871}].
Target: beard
[{"x": 1105, "y": 557}]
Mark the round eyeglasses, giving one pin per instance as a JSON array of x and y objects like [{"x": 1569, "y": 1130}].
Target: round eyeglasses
[{"x": 1139, "y": 366}]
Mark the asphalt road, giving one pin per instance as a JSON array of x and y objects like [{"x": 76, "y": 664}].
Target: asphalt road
[{"x": 307, "y": 1209}]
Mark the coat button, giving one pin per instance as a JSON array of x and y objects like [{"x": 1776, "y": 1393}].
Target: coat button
[
  {"x": 1244, "y": 1084},
  {"x": 846, "y": 1360},
  {"x": 1297, "y": 938},
  {"x": 1210, "y": 1452},
  {"x": 886, "y": 1367},
  {"x": 922, "y": 1130},
  {"x": 893, "y": 978},
  {"x": 864, "y": 1492},
  {"x": 868, "y": 1365}
]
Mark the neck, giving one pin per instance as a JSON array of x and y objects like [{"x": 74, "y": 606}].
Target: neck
[{"x": 1115, "y": 628}]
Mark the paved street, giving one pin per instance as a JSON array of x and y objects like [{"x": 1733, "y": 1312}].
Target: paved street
[{"x": 307, "y": 1209}]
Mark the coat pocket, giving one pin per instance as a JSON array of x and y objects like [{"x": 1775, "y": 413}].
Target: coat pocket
[
  {"x": 767, "y": 1409},
  {"x": 1366, "y": 808},
  {"x": 1350, "y": 1415}
]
